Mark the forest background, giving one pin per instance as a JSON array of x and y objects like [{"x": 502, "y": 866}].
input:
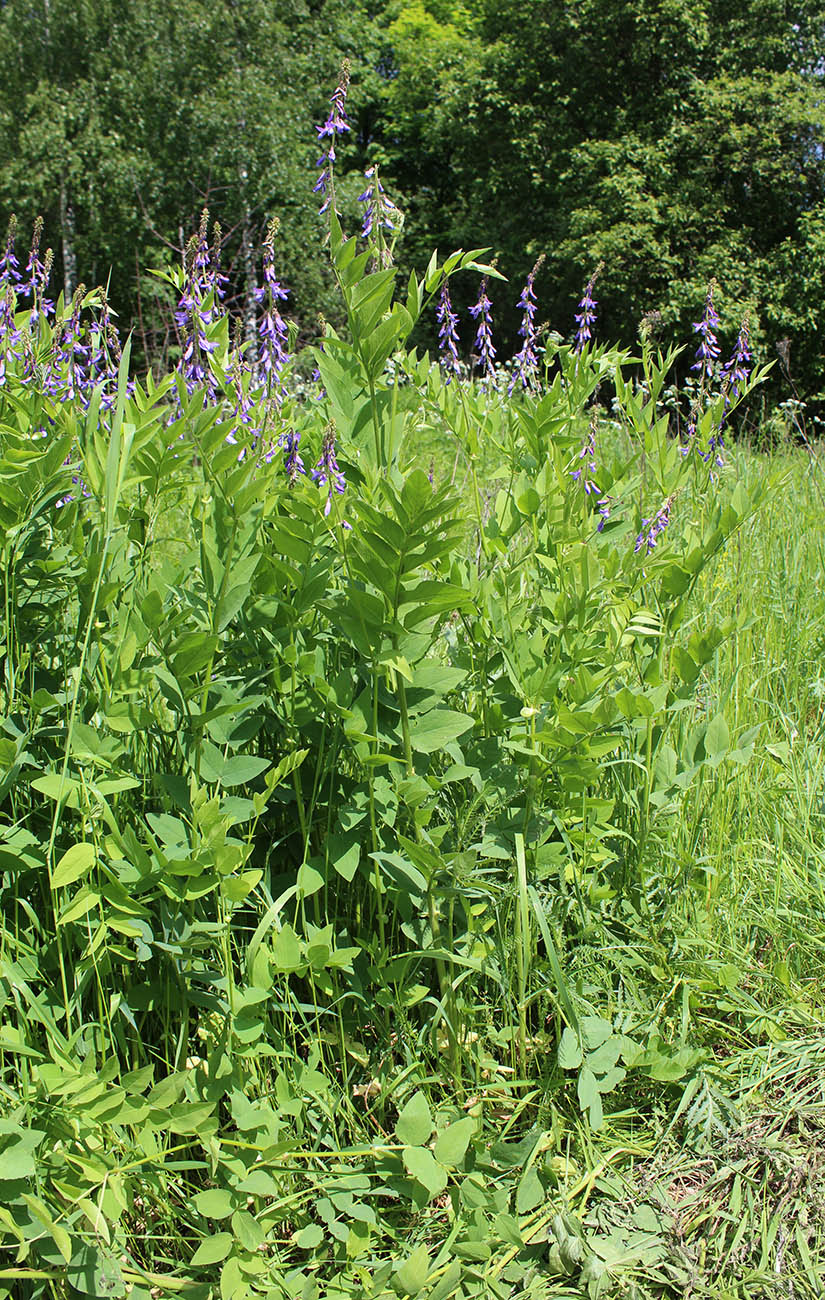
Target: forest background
[{"x": 672, "y": 140}]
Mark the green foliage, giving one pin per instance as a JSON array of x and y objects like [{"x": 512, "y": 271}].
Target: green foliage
[{"x": 355, "y": 864}]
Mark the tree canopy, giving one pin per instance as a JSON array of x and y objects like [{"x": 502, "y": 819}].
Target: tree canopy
[{"x": 672, "y": 140}]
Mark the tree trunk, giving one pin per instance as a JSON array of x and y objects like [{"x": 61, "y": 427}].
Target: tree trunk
[{"x": 67, "y": 231}]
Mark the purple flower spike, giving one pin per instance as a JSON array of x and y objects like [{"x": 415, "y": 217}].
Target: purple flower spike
[
  {"x": 708, "y": 350},
  {"x": 73, "y": 353},
  {"x": 335, "y": 125},
  {"x": 653, "y": 528},
  {"x": 38, "y": 272},
  {"x": 9, "y": 265},
  {"x": 586, "y": 315},
  {"x": 734, "y": 373},
  {"x": 104, "y": 354},
  {"x": 447, "y": 333},
  {"x": 526, "y": 361},
  {"x": 215, "y": 277},
  {"x": 272, "y": 331},
  {"x": 378, "y": 210},
  {"x": 293, "y": 464},
  {"x": 485, "y": 352},
  {"x": 327, "y": 472},
  {"x": 584, "y": 475},
  {"x": 10, "y": 335},
  {"x": 196, "y": 312}
]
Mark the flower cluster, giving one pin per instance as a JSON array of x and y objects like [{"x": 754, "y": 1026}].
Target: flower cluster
[
  {"x": 335, "y": 125},
  {"x": 38, "y": 272},
  {"x": 272, "y": 331},
  {"x": 584, "y": 474},
  {"x": 447, "y": 332},
  {"x": 9, "y": 265},
  {"x": 586, "y": 315},
  {"x": 485, "y": 353},
  {"x": 104, "y": 353},
  {"x": 196, "y": 311},
  {"x": 69, "y": 370},
  {"x": 735, "y": 372},
  {"x": 327, "y": 472},
  {"x": 653, "y": 528},
  {"x": 708, "y": 351},
  {"x": 379, "y": 212},
  {"x": 294, "y": 465},
  {"x": 526, "y": 360}
]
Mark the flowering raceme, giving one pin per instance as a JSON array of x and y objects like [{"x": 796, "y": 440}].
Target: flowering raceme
[
  {"x": 708, "y": 351},
  {"x": 526, "y": 360},
  {"x": 735, "y": 372},
  {"x": 335, "y": 125},
  {"x": 196, "y": 312},
  {"x": 379, "y": 212},
  {"x": 272, "y": 331},
  {"x": 447, "y": 333},
  {"x": 586, "y": 315},
  {"x": 653, "y": 528},
  {"x": 485, "y": 352},
  {"x": 327, "y": 472}
]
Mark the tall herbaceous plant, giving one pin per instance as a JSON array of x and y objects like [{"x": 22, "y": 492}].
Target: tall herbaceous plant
[{"x": 334, "y": 711}]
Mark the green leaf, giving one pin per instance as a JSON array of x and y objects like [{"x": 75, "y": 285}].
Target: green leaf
[
  {"x": 213, "y": 1250},
  {"x": 415, "y": 1123},
  {"x": 344, "y": 853},
  {"x": 438, "y": 728},
  {"x": 717, "y": 739},
  {"x": 530, "y": 1191},
  {"x": 75, "y": 862},
  {"x": 590, "y": 1098},
  {"x": 421, "y": 1164},
  {"x": 82, "y": 903},
  {"x": 411, "y": 1277},
  {"x": 58, "y": 1234},
  {"x": 309, "y": 1237},
  {"x": 94, "y": 1273},
  {"x": 248, "y": 1230},
  {"x": 308, "y": 880},
  {"x": 215, "y": 1204},
  {"x": 242, "y": 768},
  {"x": 287, "y": 954},
  {"x": 452, "y": 1142},
  {"x": 569, "y": 1051}
]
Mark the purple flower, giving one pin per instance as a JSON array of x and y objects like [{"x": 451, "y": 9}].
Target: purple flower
[
  {"x": 378, "y": 210},
  {"x": 585, "y": 317},
  {"x": 734, "y": 373},
  {"x": 293, "y": 464},
  {"x": 583, "y": 474},
  {"x": 9, "y": 265},
  {"x": 526, "y": 361},
  {"x": 215, "y": 277},
  {"x": 196, "y": 312},
  {"x": 447, "y": 333},
  {"x": 327, "y": 471},
  {"x": 38, "y": 272},
  {"x": 335, "y": 125},
  {"x": 485, "y": 352},
  {"x": 708, "y": 350},
  {"x": 9, "y": 333},
  {"x": 104, "y": 354},
  {"x": 653, "y": 528},
  {"x": 240, "y": 378},
  {"x": 272, "y": 331},
  {"x": 73, "y": 353}
]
